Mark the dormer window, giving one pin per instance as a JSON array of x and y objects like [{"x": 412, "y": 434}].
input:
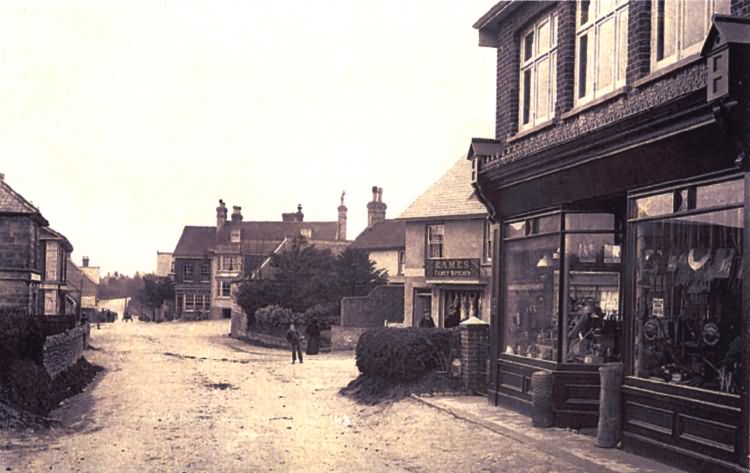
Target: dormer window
[
  {"x": 601, "y": 47},
  {"x": 537, "y": 91},
  {"x": 678, "y": 28},
  {"x": 236, "y": 236}
]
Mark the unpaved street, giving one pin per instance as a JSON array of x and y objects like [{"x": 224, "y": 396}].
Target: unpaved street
[{"x": 184, "y": 397}]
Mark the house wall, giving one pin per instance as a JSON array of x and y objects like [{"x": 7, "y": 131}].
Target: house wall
[
  {"x": 381, "y": 304},
  {"x": 52, "y": 261},
  {"x": 19, "y": 259},
  {"x": 387, "y": 260},
  {"x": 463, "y": 239}
]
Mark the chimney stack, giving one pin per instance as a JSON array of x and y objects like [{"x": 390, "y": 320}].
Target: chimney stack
[
  {"x": 300, "y": 215},
  {"x": 236, "y": 214},
  {"x": 221, "y": 215},
  {"x": 376, "y": 208},
  {"x": 341, "y": 229},
  {"x": 85, "y": 262},
  {"x": 2, "y": 176}
]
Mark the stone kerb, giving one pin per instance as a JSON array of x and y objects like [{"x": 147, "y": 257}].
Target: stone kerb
[{"x": 474, "y": 342}]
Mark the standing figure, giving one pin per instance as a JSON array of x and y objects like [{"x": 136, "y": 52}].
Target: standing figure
[
  {"x": 313, "y": 337},
  {"x": 292, "y": 336},
  {"x": 426, "y": 321}
]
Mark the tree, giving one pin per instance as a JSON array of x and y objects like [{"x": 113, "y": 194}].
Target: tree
[
  {"x": 356, "y": 273},
  {"x": 155, "y": 291}
]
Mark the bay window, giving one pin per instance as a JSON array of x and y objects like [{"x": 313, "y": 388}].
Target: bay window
[
  {"x": 601, "y": 47},
  {"x": 679, "y": 27},
  {"x": 537, "y": 91}
]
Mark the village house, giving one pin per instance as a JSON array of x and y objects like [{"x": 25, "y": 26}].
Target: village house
[
  {"x": 21, "y": 253},
  {"x": 207, "y": 260},
  {"x": 618, "y": 177},
  {"x": 164, "y": 264},
  {"x": 57, "y": 295},
  {"x": 447, "y": 271},
  {"x": 85, "y": 282},
  {"x": 383, "y": 240}
]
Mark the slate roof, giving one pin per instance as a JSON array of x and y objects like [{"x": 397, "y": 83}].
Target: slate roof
[
  {"x": 13, "y": 202},
  {"x": 386, "y": 235},
  {"x": 195, "y": 241},
  {"x": 450, "y": 196},
  {"x": 49, "y": 234},
  {"x": 76, "y": 277},
  {"x": 256, "y": 238}
]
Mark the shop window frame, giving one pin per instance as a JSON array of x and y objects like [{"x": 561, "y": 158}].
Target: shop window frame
[{"x": 629, "y": 275}]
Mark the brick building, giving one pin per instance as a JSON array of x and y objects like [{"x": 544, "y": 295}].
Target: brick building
[
  {"x": 59, "y": 298},
  {"x": 383, "y": 239},
  {"x": 447, "y": 263},
  {"x": 618, "y": 176},
  {"x": 20, "y": 252},
  {"x": 208, "y": 259}
]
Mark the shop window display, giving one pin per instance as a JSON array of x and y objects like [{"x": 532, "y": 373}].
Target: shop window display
[
  {"x": 688, "y": 277},
  {"x": 460, "y": 305},
  {"x": 531, "y": 311}
]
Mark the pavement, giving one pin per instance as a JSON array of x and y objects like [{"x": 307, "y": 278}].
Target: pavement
[{"x": 567, "y": 445}]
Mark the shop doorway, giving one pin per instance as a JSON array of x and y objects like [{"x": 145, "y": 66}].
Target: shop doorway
[{"x": 422, "y": 305}]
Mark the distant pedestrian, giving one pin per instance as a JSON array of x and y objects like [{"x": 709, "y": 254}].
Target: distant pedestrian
[
  {"x": 426, "y": 321},
  {"x": 292, "y": 336},
  {"x": 313, "y": 337},
  {"x": 126, "y": 316}
]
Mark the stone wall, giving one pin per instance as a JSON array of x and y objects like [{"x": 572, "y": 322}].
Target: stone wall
[
  {"x": 63, "y": 350},
  {"x": 238, "y": 327},
  {"x": 345, "y": 338},
  {"x": 384, "y": 303}
]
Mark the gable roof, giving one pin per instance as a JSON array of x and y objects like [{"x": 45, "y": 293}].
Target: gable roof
[
  {"x": 49, "y": 234},
  {"x": 80, "y": 280},
  {"x": 14, "y": 203},
  {"x": 450, "y": 196},
  {"x": 385, "y": 235},
  {"x": 195, "y": 241}
]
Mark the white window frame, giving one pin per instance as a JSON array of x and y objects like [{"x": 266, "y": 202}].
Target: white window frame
[
  {"x": 601, "y": 12},
  {"x": 434, "y": 231},
  {"x": 488, "y": 241},
  {"x": 680, "y": 50},
  {"x": 189, "y": 302},
  {"x": 536, "y": 57},
  {"x": 228, "y": 285},
  {"x": 205, "y": 276},
  {"x": 187, "y": 272}
]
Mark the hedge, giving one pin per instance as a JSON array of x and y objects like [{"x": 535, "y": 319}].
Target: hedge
[{"x": 405, "y": 354}]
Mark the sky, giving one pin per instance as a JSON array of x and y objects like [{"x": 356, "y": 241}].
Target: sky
[{"x": 124, "y": 121}]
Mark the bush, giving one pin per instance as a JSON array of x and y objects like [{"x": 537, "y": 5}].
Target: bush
[
  {"x": 325, "y": 314},
  {"x": 21, "y": 337},
  {"x": 274, "y": 318},
  {"x": 404, "y": 354}
]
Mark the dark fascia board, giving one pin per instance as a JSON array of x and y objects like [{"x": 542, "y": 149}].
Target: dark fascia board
[
  {"x": 487, "y": 24},
  {"x": 733, "y": 29}
]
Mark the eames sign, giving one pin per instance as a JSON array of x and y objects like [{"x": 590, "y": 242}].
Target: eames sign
[{"x": 453, "y": 268}]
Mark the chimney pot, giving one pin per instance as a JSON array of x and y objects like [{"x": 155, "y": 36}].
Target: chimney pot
[
  {"x": 2, "y": 176},
  {"x": 85, "y": 262},
  {"x": 236, "y": 213}
]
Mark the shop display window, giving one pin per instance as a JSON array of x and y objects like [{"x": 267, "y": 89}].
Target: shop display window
[
  {"x": 580, "y": 252},
  {"x": 459, "y": 305},
  {"x": 688, "y": 278}
]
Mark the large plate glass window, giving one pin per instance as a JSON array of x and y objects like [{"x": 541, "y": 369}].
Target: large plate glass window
[
  {"x": 678, "y": 28},
  {"x": 591, "y": 317},
  {"x": 601, "y": 47},
  {"x": 531, "y": 278},
  {"x": 688, "y": 278},
  {"x": 538, "y": 59}
]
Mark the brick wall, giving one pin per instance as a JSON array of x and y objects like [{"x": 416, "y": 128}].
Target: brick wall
[
  {"x": 63, "y": 350},
  {"x": 635, "y": 99},
  {"x": 383, "y": 303}
]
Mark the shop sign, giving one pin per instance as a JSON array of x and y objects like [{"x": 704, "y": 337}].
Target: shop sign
[{"x": 452, "y": 268}]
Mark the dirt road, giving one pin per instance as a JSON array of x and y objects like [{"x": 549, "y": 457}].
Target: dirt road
[{"x": 184, "y": 397}]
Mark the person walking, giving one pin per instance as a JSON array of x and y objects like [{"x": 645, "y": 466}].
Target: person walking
[
  {"x": 313, "y": 337},
  {"x": 292, "y": 336}
]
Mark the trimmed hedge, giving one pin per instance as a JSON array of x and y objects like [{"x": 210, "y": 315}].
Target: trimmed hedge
[{"x": 405, "y": 354}]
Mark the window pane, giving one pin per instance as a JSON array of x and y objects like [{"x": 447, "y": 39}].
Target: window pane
[
  {"x": 695, "y": 16},
  {"x": 548, "y": 224},
  {"x": 662, "y": 204},
  {"x": 528, "y": 46},
  {"x": 530, "y": 305},
  {"x": 589, "y": 221},
  {"x": 666, "y": 33},
  {"x": 583, "y": 12},
  {"x": 526, "y": 112},
  {"x": 622, "y": 46},
  {"x": 605, "y": 6},
  {"x": 543, "y": 38},
  {"x": 606, "y": 54},
  {"x": 592, "y": 312},
  {"x": 459, "y": 305},
  {"x": 542, "y": 90},
  {"x": 688, "y": 302},
  {"x": 732, "y": 192},
  {"x": 514, "y": 230},
  {"x": 583, "y": 66}
]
